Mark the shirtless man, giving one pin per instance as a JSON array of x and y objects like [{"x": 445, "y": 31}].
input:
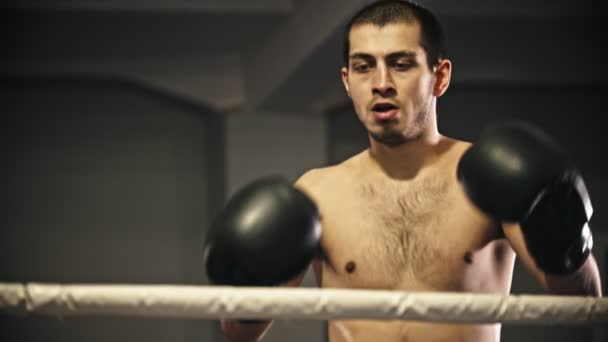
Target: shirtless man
[{"x": 406, "y": 214}]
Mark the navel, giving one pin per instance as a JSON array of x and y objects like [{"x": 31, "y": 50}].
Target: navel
[
  {"x": 468, "y": 257},
  {"x": 350, "y": 267}
]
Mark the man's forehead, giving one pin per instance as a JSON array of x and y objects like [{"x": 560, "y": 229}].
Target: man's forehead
[{"x": 374, "y": 39}]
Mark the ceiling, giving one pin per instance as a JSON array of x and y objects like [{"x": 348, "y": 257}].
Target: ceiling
[{"x": 284, "y": 55}]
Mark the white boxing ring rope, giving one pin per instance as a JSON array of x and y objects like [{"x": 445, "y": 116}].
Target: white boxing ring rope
[{"x": 214, "y": 302}]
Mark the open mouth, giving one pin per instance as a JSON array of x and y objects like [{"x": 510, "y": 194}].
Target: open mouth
[{"x": 384, "y": 111}]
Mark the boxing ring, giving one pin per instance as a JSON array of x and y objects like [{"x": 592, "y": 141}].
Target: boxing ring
[{"x": 214, "y": 302}]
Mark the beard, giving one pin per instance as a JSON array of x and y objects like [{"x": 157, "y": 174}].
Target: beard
[{"x": 391, "y": 136}]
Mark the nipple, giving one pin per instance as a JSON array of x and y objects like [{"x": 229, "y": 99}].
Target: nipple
[
  {"x": 350, "y": 267},
  {"x": 468, "y": 257}
]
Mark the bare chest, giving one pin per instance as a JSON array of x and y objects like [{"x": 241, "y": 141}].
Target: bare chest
[{"x": 415, "y": 235}]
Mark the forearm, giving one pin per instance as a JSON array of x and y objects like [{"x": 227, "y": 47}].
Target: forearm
[
  {"x": 584, "y": 282},
  {"x": 236, "y": 331},
  {"x": 253, "y": 330}
]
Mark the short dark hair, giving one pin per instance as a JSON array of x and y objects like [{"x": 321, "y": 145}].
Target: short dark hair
[{"x": 385, "y": 12}]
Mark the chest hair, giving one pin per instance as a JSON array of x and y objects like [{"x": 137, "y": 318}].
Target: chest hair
[{"x": 405, "y": 221}]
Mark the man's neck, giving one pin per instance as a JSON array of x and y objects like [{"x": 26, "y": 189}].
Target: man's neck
[{"x": 408, "y": 159}]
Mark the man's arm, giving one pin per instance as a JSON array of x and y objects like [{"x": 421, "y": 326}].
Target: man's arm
[
  {"x": 518, "y": 173},
  {"x": 585, "y": 281},
  {"x": 249, "y": 331}
]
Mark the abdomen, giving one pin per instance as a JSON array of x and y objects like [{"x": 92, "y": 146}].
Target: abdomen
[{"x": 402, "y": 331}]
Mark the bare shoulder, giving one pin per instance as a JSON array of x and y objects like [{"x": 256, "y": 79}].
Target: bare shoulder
[
  {"x": 311, "y": 177},
  {"x": 315, "y": 180},
  {"x": 456, "y": 145},
  {"x": 454, "y": 149}
]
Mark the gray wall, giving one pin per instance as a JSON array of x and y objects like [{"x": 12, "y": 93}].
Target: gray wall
[
  {"x": 108, "y": 182},
  {"x": 571, "y": 114},
  {"x": 105, "y": 182}
]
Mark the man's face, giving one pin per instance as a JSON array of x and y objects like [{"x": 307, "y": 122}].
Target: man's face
[{"x": 389, "y": 81}]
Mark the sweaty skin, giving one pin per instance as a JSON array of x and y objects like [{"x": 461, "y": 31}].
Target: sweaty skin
[{"x": 417, "y": 233}]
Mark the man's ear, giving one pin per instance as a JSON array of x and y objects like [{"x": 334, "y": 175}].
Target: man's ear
[
  {"x": 443, "y": 75},
  {"x": 344, "y": 72}
]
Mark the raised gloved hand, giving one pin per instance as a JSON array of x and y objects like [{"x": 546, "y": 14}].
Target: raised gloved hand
[
  {"x": 515, "y": 172},
  {"x": 267, "y": 234}
]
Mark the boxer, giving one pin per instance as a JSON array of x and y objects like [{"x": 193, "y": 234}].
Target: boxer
[{"x": 417, "y": 210}]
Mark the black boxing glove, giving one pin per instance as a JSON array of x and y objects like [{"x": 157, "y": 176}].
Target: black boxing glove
[
  {"x": 517, "y": 173},
  {"x": 267, "y": 234}
]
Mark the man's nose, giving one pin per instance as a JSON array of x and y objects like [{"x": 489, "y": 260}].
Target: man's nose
[{"x": 383, "y": 84}]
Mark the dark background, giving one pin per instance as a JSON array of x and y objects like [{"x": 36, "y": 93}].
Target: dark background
[{"x": 126, "y": 126}]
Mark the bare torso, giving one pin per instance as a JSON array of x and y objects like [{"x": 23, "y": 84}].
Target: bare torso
[{"x": 414, "y": 234}]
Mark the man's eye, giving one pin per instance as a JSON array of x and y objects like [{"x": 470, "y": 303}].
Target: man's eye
[
  {"x": 402, "y": 66},
  {"x": 361, "y": 67}
]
